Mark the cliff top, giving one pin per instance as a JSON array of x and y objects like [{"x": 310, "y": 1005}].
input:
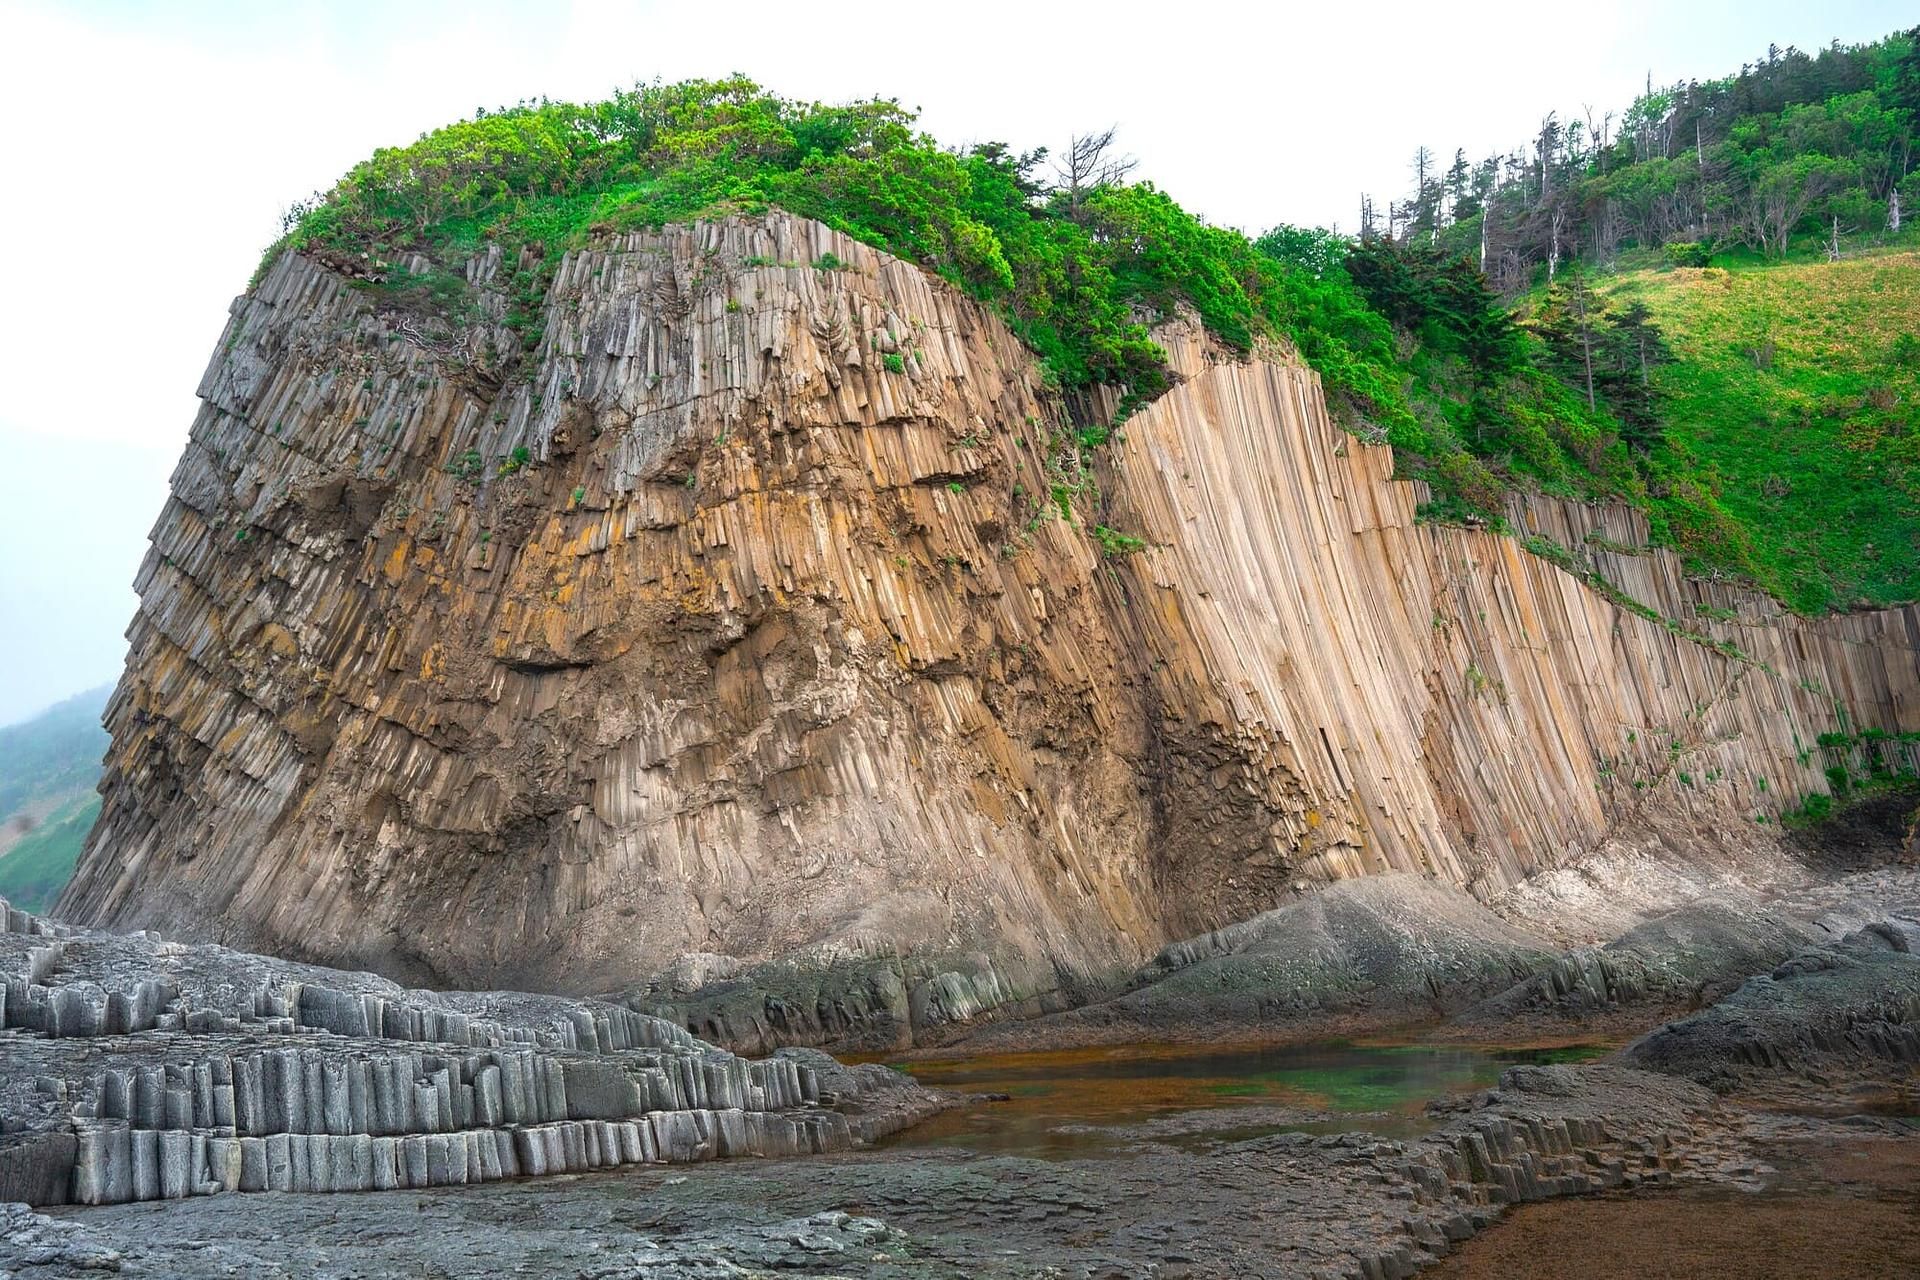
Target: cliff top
[
  {"x": 1078, "y": 261},
  {"x": 1412, "y": 344},
  {"x": 1079, "y": 270}
]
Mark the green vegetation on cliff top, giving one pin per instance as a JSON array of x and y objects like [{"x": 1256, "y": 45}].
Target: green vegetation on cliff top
[
  {"x": 1414, "y": 347},
  {"x": 1770, "y": 400}
]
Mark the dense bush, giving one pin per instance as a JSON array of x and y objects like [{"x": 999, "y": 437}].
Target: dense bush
[
  {"x": 1075, "y": 273},
  {"x": 1412, "y": 344}
]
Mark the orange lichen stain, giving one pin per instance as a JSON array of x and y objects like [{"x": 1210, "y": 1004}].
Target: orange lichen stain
[
  {"x": 433, "y": 664},
  {"x": 509, "y": 627},
  {"x": 278, "y": 640},
  {"x": 695, "y": 594},
  {"x": 395, "y": 570},
  {"x": 558, "y": 627},
  {"x": 987, "y": 801},
  {"x": 1312, "y": 817}
]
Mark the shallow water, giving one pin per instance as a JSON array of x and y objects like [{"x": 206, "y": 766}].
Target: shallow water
[{"x": 1091, "y": 1101}]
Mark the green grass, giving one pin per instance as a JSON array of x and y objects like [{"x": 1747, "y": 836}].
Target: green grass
[
  {"x": 1076, "y": 273},
  {"x": 1790, "y": 455},
  {"x": 35, "y": 869},
  {"x": 53, "y": 754},
  {"x": 1794, "y": 401}
]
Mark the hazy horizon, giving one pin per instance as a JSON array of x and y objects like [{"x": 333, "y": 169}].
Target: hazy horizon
[{"x": 184, "y": 132}]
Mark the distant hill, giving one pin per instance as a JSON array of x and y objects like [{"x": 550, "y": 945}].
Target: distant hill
[{"x": 48, "y": 768}]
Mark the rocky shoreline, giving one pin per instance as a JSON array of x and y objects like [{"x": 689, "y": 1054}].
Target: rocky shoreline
[
  {"x": 138, "y": 1069},
  {"x": 186, "y": 1110},
  {"x": 1282, "y": 1204},
  {"x": 1288, "y": 1204}
]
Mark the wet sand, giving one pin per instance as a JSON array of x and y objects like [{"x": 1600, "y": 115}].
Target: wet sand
[
  {"x": 1763, "y": 1237},
  {"x": 1843, "y": 1209}
]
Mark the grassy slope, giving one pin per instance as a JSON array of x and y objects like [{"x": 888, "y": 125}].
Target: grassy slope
[
  {"x": 1797, "y": 475},
  {"x": 57, "y": 752},
  {"x": 1816, "y": 454},
  {"x": 48, "y": 768},
  {"x": 36, "y": 868}
]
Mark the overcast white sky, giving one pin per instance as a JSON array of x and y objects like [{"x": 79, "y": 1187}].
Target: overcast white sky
[{"x": 152, "y": 146}]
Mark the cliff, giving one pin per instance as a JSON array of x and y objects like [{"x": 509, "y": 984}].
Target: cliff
[{"x": 758, "y": 614}]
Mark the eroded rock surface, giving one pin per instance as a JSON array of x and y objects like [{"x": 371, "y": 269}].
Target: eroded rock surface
[
  {"x": 1287, "y": 1204},
  {"x": 1849, "y": 1006},
  {"x": 743, "y": 619},
  {"x": 134, "y": 1069},
  {"x": 1393, "y": 952}
]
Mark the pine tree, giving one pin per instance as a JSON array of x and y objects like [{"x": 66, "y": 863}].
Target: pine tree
[
  {"x": 1567, "y": 323},
  {"x": 1460, "y": 201},
  {"x": 1632, "y": 346}
]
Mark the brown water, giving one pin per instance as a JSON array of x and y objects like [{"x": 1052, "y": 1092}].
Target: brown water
[
  {"x": 1839, "y": 1206},
  {"x": 1090, "y": 1101}
]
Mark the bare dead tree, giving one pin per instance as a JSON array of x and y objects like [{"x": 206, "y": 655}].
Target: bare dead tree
[
  {"x": 1090, "y": 164},
  {"x": 1608, "y": 230},
  {"x": 1783, "y": 198}
]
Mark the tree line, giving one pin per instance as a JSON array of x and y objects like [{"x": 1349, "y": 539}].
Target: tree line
[{"x": 1794, "y": 146}]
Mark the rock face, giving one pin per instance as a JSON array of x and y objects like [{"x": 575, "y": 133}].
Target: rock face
[
  {"x": 1826, "y": 1011},
  {"x": 137, "y": 1069},
  {"x": 743, "y": 619}
]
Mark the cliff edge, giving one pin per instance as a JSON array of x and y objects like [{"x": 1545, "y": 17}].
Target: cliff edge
[{"x": 769, "y": 610}]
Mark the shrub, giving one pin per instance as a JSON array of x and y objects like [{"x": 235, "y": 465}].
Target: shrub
[
  {"x": 1688, "y": 253},
  {"x": 1114, "y": 543},
  {"x": 467, "y": 465}
]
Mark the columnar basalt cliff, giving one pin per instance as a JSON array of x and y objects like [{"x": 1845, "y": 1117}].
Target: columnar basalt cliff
[{"x": 759, "y": 611}]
